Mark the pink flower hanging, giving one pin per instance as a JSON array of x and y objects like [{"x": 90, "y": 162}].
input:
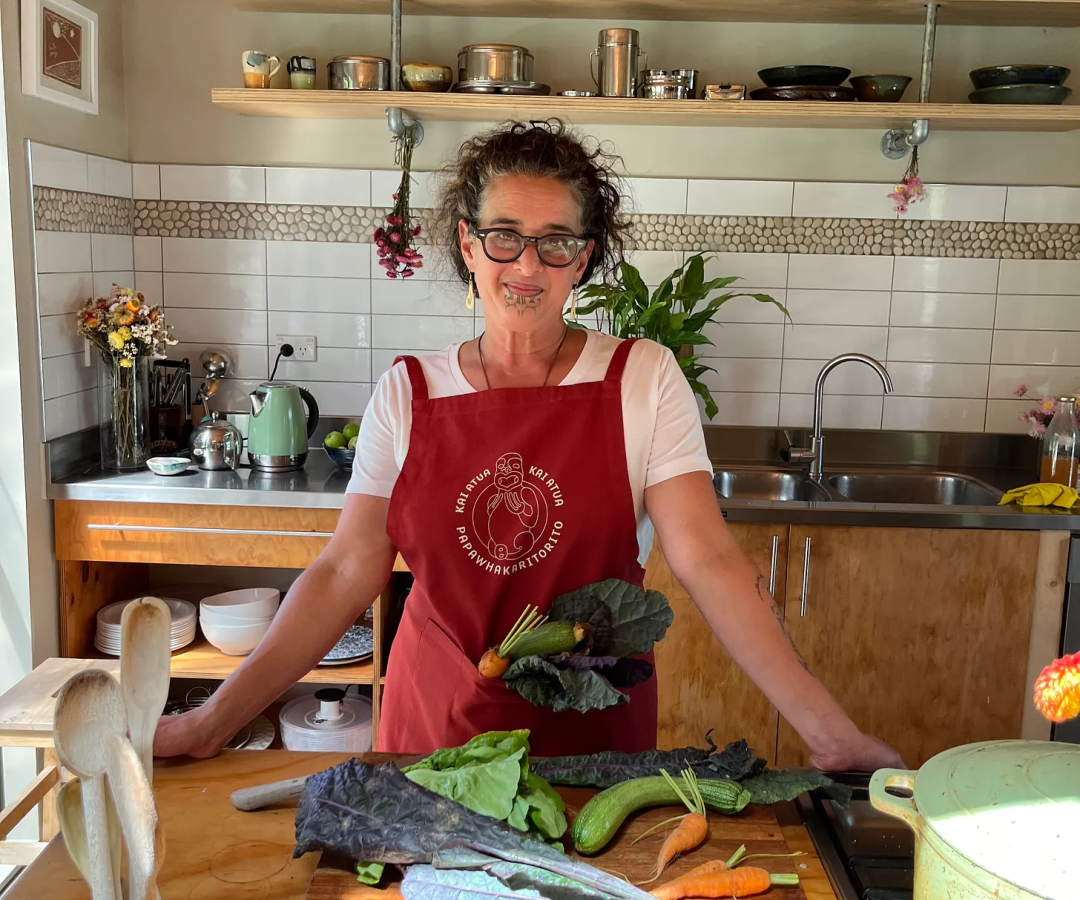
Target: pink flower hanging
[
  {"x": 910, "y": 189},
  {"x": 395, "y": 238}
]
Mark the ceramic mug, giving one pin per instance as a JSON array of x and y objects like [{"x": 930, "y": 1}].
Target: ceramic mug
[{"x": 259, "y": 68}]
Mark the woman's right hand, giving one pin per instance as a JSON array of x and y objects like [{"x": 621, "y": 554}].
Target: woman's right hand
[{"x": 189, "y": 734}]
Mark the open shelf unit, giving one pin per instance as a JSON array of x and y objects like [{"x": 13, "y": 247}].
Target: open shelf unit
[
  {"x": 1031, "y": 13},
  {"x": 201, "y": 659},
  {"x": 612, "y": 111}
]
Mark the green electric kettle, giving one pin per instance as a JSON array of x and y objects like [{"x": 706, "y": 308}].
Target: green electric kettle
[{"x": 278, "y": 430}]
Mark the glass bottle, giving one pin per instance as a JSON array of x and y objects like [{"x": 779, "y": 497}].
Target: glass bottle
[{"x": 1061, "y": 446}]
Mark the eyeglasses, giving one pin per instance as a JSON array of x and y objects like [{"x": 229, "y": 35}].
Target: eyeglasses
[{"x": 502, "y": 245}]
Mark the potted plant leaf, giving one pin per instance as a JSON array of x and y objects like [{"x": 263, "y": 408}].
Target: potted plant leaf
[{"x": 675, "y": 314}]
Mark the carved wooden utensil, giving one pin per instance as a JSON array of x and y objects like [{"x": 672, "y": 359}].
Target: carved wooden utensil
[{"x": 144, "y": 672}]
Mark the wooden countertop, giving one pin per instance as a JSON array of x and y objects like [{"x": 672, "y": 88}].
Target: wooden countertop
[{"x": 215, "y": 852}]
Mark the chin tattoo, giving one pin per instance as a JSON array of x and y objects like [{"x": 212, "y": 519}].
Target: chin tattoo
[{"x": 522, "y": 304}]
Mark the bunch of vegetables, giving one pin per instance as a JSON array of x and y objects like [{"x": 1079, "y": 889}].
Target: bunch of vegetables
[{"x": 585, "y": 649}]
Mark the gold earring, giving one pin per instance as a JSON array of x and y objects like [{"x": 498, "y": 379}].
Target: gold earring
[
  {"x": 573, "y": 304},
  {"x": 470, "y": 298}
]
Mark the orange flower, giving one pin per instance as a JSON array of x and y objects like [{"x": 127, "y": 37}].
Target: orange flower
[
  {"x": 1057, "y": 689},
  {"x": 123, "y": 316},
  {"x": 133, "y": 304},
  {"x": 91, "y": 322}
]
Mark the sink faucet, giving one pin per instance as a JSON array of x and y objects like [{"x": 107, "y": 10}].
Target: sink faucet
[{"x": 814, "y": 454}]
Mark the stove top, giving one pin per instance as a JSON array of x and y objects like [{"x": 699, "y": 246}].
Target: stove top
[{"x": 868, "y": 855}]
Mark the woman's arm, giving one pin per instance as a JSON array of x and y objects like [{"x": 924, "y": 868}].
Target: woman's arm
[
  {"x": 734, "y": 599},
  {"x": 323, "y": 602}
]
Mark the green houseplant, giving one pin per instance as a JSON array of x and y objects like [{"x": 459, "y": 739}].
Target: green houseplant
[{"x": 675, "y": 315}]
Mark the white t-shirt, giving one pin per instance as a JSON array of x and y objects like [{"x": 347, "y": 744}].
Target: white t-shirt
[{"x": 660, "y": 419}]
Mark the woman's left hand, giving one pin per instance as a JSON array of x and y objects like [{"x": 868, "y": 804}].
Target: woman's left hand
[{"x": 862, "y": 753}]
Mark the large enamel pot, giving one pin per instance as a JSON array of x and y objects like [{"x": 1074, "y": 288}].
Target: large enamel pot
[{"x": 993, "y": 821}]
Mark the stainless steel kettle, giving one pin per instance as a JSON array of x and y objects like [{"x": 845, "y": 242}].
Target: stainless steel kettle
[
  {"x": 216, "y": 444},
  {"x": 278, "y": 429}
]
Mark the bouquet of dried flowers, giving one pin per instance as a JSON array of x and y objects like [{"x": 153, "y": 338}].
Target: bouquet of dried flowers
[
  {"x": 396, "y": 239},
  {"x": 910, "y": 189},
  {"x": 124, "y": 329},
  {"x": 1039, "y": 416}
]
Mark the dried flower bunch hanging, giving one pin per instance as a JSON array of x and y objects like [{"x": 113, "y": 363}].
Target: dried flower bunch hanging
[
  {"x": 910, "y": 189},
  {"x": 396, "y": 239},
  {"x": 123, "y": 326}
]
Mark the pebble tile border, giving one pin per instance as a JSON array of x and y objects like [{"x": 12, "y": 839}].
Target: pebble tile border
[{"x": 57, "y": 210}]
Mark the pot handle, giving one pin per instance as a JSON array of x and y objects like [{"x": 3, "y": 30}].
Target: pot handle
[
  {"x": 313, "y": 411},
  {"x": 901, "y": 807},
  {"x": 594, "y": 57}
]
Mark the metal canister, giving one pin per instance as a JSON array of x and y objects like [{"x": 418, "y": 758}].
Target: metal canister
[
  {"x": 691, "y": 77},
  {"x": 619, "y": 61}
]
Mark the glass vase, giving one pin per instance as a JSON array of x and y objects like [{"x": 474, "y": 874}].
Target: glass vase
[{"x": 124, "y": 405}]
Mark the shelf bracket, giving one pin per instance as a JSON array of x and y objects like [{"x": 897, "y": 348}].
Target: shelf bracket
[
  {"x": 896, "y": 143},
  {"x": 396, "y": 120}
]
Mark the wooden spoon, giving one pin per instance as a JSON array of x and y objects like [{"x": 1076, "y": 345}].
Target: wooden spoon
[
  {"x": 90, "y": 711},
  {"x": 135, "y": 804},
  {"x": 69, "y": 811},
  {"x": 144, "y": 672}
]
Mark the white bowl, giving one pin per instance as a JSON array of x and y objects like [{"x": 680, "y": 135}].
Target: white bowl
[
  {"x": 232, "y": 621},
  {"x": 235, "y": 640},
  {"x": 168, "y": 465},
  {"x": 247, "y": 602},
  {"x": 234, "y": 615}
]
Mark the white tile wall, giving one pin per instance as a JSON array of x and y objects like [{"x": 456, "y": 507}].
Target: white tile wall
[
  {"x": 932, "y": 321},
  {"x": 104, "y": 281},
  {"x": 1002, "y": 416}
]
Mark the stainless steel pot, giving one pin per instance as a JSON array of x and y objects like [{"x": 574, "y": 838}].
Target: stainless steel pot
[
  {"x": 664, "y": 90},
  {"x": 358, "y": 73},
  {"x": 619, "y": 61},
  {"x": 691, "y": 77},
  {"x": 216, "y": 444},
  {"x": 494, "y": 62}
]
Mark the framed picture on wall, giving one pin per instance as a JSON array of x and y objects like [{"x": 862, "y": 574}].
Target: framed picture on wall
[{"x": 60, "y": 53}]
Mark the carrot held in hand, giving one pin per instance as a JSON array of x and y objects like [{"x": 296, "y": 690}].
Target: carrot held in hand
[
  {"x": 744, "y": 882},
  {"x": 496, "y": 661},
  {"x": 694, "y": 827}
]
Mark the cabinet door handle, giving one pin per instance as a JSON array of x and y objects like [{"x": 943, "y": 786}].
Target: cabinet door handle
[
  {"x": 772, "y": 565},
  {"x": 805, "y": 578},
  {"x": 179, "y": 529}
]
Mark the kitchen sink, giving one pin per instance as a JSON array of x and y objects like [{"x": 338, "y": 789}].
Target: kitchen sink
[
  {"x": 765, "y": 484},
  {"x": 939, "y": 488}
]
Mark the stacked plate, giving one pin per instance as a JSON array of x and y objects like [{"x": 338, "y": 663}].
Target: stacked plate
[
  {"x": 107, "y": 638},
  {"x": 356, "y": 645}
]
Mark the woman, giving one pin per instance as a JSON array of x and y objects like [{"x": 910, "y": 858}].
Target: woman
[{"x": 513, "y": 468}]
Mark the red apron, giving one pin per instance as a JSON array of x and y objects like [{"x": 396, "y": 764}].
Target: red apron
[{"x": 507, "y": 497}]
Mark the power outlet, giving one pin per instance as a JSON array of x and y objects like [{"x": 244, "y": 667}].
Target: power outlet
[{"x": 304, "y": 348}]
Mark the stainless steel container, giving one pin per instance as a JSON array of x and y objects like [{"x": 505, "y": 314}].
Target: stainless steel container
[
  {"x": 691, "y": 76},
  {"x": 216, "y": 444},
  {"x": 665, "y": 89},
  {"x": 358, "y": 73},
  {"x": 725, "y": 92},
  {"x": 494, "y": 62},
  {"x": 619, "y": 62}
]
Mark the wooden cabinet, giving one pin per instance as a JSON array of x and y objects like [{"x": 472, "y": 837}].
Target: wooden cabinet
[
  {"x": 922, "y": 635},
  {"x": 700, "y": 686}
]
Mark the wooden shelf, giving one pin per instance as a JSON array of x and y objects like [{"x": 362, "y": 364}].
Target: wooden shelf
[
  {"x": 202, "y": 660},
  {"x": 610, "y": 111},
  {"x": 1041, "y": 13}
]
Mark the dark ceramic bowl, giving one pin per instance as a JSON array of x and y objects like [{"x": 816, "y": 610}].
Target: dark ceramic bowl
[
  {"x": 880, "y": 88},
  {"x": 788, "y": 76},
  {"x": 995, "y": 76},
  {"x": 1026, "y": 94},
  {"x": 805, "y": 92},
  {"x": 343, "y": 459}
]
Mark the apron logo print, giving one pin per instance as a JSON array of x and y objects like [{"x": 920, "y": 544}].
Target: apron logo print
[{"x": 508, "y": 516}]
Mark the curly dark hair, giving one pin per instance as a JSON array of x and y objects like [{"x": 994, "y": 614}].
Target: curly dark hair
[{"x": 539, "y": 150}]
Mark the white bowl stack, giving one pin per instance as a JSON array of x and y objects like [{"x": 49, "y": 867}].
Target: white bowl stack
[
  {"x": 107, "y": 637},
  {"x": 236, "y": 621}
]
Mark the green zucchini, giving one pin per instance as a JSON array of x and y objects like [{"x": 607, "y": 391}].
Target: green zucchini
[
  {"x": 551, "y": 637},
  {"x": 601, "y": 817}
]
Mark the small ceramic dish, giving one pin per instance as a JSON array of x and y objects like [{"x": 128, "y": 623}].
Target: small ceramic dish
[
  {"x": 1022, "y": 94},
  {"x": 168, "y": 465},
  {"x": 880, "y": 88},
  {"x": 427, "y": 77},
  {"x": 789, "y": 76},
  {"x": 342, "y": 458},
  {"x": 996, "y": 76},
  {"x": 817, "y": 92}
]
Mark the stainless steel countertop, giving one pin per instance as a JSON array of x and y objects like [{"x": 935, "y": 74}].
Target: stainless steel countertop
[{"x": 321, "y": 485}]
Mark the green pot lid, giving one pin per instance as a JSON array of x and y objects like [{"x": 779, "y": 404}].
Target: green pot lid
[{"x": 1012, "y": 808}]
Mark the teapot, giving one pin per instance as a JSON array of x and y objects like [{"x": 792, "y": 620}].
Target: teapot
[
  {"x": 216, "y": 444},
  {"x": 278, "y": 429}
]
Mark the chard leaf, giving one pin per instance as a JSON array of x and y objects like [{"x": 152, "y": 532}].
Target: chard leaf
[
  {"x": 543, "y": 683},
  {"x": 639, "y": 618},
  {"x": 488, "y": 788},
  {"x": 428, "y": 883},
  {"x": 622, "y": 673},
  {"x": 773, "y": 786},
  {"x": 545, "y": 806}
]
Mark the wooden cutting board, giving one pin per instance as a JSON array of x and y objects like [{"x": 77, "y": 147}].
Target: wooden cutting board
[{"x": 756, "y": 826}]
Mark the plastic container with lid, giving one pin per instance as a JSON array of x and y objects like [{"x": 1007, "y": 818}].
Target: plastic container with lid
[{"x": 327, "y": 720}]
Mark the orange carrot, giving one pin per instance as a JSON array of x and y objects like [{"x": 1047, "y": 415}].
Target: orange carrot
[
  {"x": 692, "y": 830},
  {"x": 743, "y": 882},
  {"x": 495, "y": 662},
  {"x": 737, "y": 858}
]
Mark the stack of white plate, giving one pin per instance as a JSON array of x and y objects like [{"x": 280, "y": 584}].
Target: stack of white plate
[{"x": 107, "y": 638}]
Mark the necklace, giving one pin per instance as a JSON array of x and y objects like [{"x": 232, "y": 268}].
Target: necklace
[{"x": 551, "y": 368}]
